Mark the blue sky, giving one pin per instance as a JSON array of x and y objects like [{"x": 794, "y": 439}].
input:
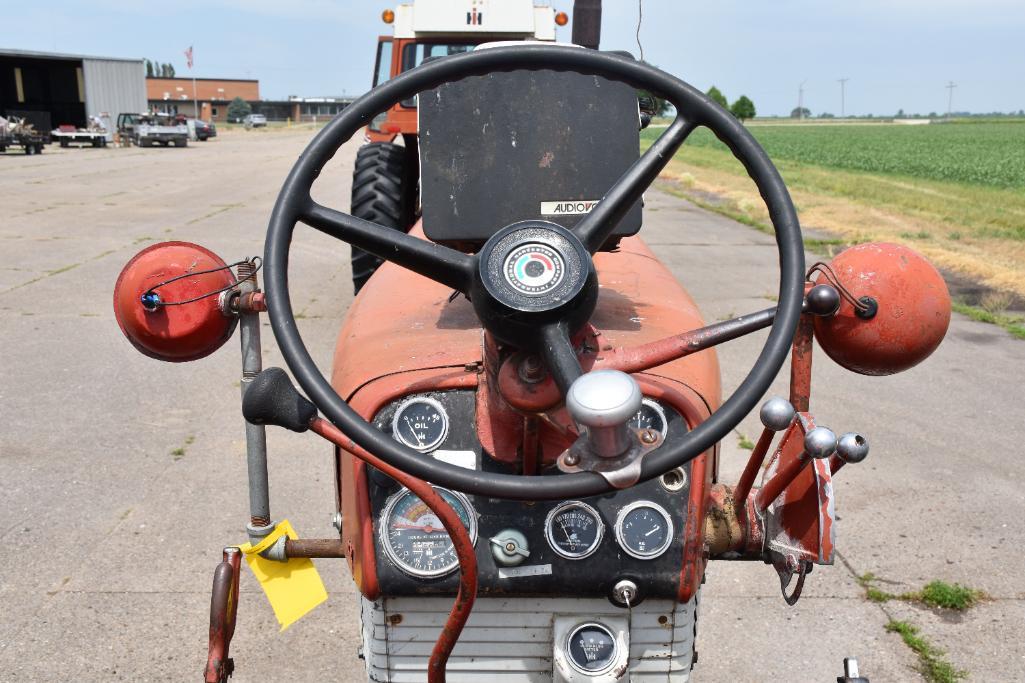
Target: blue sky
[{"x": 898, "y": 54}]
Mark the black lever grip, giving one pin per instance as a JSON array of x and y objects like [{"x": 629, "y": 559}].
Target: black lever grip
[{"x": 272, "y": 400}]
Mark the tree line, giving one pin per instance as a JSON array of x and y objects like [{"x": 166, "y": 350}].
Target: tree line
[
  {"x": 158, "y": 70},
  {"x": 743, "y": 108}
]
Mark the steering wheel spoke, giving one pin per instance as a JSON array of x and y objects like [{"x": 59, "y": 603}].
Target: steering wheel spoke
[
  {"x": 596, "y": 226},
  {"x": 441, "y": 264},
  {"x": 559, "y": 355}
]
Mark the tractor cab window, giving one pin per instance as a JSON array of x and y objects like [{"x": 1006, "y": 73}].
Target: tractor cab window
[
  {"x": 382, "y": 69},
  {"x": 415, "y": 54}
]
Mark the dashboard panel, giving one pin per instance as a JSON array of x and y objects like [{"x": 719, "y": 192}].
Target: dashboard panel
[{"x": 580, "y": 547}]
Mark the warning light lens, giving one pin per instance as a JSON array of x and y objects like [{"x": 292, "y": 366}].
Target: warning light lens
[
  {"x": 561, "y": 19},
  {"x": 388, "y": 16}
]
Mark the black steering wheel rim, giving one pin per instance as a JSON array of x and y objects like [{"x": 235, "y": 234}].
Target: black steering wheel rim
[{"x": 294, "y": 204}]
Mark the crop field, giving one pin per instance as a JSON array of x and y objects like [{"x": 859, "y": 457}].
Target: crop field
[
  {"x": 991, "y": 154},
  {"x": 953, "y": 191}
]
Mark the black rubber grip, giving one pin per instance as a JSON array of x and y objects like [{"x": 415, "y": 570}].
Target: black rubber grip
[{"x": 272, "y": 400}]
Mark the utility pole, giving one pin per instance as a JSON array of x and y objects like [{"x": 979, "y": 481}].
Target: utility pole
[
  {"x": 800, "y": 100},
  {"x": 843, "y": 83},
  {"x": 950, "y": 96}
]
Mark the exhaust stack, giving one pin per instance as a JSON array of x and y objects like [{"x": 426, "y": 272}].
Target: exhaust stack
[{"x": 587, "y": 23}]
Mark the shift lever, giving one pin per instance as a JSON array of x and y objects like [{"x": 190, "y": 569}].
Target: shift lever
[
  {"x": 603, "y": 402},
  {"x": 819, "y": 443}
]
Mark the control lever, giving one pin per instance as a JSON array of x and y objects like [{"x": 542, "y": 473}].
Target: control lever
[
  {"x": 271, "y": 399},
  {"x": 819, "y": 443},
  {"x": 852, "y": 448},
  {"x": 776, "y": 414},
  {"x": 602, "y": 402}
]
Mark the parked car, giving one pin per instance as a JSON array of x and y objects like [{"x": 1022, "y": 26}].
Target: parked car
[
  {"x": 205, "y": 130},
  {"x": 254, "y": 121},
  {"x": 147, "y": 129}
]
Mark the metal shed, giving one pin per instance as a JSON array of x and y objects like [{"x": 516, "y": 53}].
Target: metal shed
[{"x": 67, "y": 89}]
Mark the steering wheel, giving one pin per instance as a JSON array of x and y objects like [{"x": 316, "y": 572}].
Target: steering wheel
[{"x": 518, "y": 310}]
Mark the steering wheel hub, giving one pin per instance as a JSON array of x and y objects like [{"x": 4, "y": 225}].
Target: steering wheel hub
[{"x": 531, "y": 273}]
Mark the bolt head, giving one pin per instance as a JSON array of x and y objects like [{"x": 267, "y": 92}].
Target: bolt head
[
  {"x": 648, "y": 436},
  {"x": 777, "y": 413},
  {"x": 820, "y": 443},
  {"x": 823, "y": 300},
  {"x": 571, "y": 459},
  {"x": 852, "y": 447}
]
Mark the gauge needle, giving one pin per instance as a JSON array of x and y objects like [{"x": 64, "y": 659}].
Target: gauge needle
[
  {"x": 422, "y": 527},
  {"x": 652, "y": 531},
  {"x": 413, "y": 431},
  {"x": 569, "y": 537}
]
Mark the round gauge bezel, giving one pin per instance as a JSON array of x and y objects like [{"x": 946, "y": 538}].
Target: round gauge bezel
[
  {"x": 435, "y": 403},
  {"x": 652, "y": 403},
  {"x": 615, "y": 648},
  {"x": 568, "y": 505},
  {"x": 385, "y": 526},
  {"x": 621, "y": 518}
]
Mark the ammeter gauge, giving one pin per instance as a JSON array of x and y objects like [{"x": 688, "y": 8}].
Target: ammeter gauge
[
  {"x": 574, "y": 530},
  {"x": 421, "y": 423},
  {"x": 415, "y": 540},
  {"x": 650, "y": 416},
  {"x": 644, "y": 529}
]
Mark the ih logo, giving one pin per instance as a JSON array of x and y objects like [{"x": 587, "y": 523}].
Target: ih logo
[{"x": 474, "y": 18}]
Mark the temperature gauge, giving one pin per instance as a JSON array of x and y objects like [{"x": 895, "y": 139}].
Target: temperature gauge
[
  {"x": 420, "y": 423},
  {"x": 650, "y": 416},
  {"x": 574, "y": 530},
  {"x": 644, "y": 529}
]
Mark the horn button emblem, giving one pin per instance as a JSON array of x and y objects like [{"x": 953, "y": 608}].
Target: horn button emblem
[{"x": 534, "y": 269}]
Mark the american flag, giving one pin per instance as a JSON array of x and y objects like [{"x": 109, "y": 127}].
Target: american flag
[{"x": 188, "y": 56}]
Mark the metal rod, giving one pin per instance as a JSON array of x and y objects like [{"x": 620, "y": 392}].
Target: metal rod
[
  {"x": 754, "y": 463},
  {"x": 256, "y": 435},
  {"x": 314, "y": 547}
]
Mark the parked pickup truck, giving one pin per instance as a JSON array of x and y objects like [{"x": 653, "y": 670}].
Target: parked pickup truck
[{"x": 146, "y": 130}]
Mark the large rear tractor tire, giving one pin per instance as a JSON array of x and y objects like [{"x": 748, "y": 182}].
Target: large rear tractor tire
[{"x": 383, "y": 191}]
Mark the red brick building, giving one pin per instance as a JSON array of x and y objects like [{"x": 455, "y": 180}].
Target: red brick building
[{"x": 175, "y": 95}]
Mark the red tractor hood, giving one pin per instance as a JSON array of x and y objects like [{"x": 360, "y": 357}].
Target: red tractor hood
[{"x": 403, "y": 322}]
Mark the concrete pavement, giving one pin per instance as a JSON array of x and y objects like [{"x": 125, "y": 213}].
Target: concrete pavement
[{"x": 110, "y": 537}]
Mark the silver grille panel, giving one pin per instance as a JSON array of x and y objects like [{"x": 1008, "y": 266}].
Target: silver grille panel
[{"x": 509, "y": 640}]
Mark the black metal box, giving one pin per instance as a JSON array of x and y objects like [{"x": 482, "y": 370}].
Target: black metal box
[{"x": 508, "y": 147}]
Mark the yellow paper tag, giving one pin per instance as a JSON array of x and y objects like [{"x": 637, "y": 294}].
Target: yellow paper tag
[{"x": 293, "y": 588}]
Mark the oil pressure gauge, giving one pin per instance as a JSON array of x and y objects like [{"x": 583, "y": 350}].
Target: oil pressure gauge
[
  {"x": 574, "y": 530},
  {"x": 644, "y": 529},
  {"x": 421, "y": 423}
]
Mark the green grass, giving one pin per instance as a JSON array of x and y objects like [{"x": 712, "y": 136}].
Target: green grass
[
  {"x": 1012, "y": 323},
  {"x": 989, "y": 154},
  {"x": 746, "y": 443},
  {"x": 952, "y": 596},
  {"x": 991, "y": 210},
  {"x": 949, "y": 596},
  {"x": 932, "y": 662}
]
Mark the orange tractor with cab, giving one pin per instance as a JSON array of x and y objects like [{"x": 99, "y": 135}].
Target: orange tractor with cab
[{"x": 525, "y": 408}]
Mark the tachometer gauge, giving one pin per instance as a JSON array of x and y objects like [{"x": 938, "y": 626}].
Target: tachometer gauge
[
  {"x": 420, "y": 423},
  {"x": 414, "y": 538},
  {"x": 650, "y": 416},
  {"x": 644, "y": 529},
  {"x": 574, "y": 530}
]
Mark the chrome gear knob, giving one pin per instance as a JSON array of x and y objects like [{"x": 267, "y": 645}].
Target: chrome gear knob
[
  {"x": 777, "y": 413},
  {"x": 603, "y": 402},
  {"x": 852, "y": 448},
  {"x": 820, "y": 443}
]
